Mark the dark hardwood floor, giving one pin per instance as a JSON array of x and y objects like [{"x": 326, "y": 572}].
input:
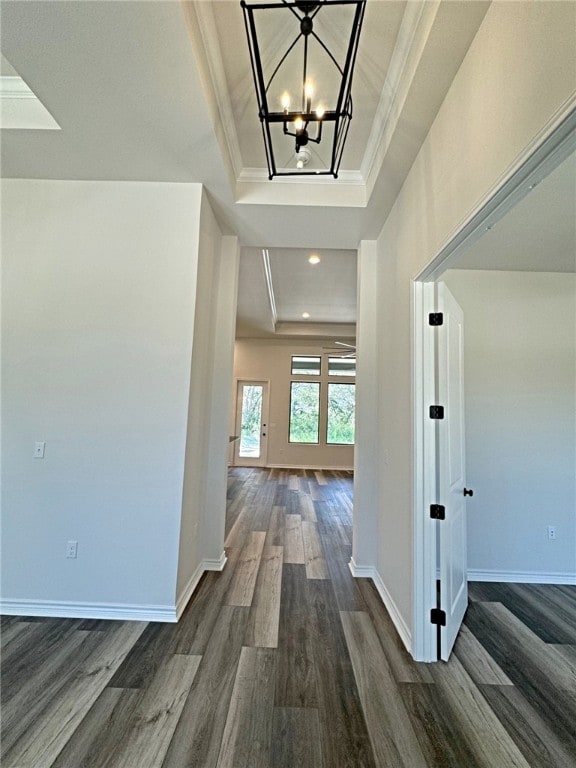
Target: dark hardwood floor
[{"x": 284, "y": 660}]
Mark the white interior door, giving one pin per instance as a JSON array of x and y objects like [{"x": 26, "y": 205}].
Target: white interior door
[
  {"x": 251, "y": 433},
  {"x": 451, "y": 469}
]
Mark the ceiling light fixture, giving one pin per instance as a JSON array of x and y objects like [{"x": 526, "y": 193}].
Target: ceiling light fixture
[
  {"x": 314, "y": 259},
  {"x": 305, "y": 315},
  {"x": 303, "y": 89}
]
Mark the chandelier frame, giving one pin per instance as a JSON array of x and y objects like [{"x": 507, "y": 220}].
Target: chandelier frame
[{"x": 304, "y": 125}]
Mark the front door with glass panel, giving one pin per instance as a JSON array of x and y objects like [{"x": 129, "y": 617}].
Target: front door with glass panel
[{"x": 251, "y": 424}]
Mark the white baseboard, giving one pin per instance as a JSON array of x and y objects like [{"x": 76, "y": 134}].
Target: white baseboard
[
  {"x": 361, "y": 571},
  {"x": 523, "y": 577},
  {"x": 369, "y": 572},
  {"x": 71, "y": 610},
  {"x": 215, "y": 565},
  {"x": 188, "y": 591},
  {"x": 117, "y": 611},
  {"x": 307, "y": 466}
]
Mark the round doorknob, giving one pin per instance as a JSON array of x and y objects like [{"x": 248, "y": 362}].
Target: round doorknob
[{"x": 468, "y": 492}]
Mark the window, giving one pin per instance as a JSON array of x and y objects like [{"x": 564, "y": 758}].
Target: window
[
  {"x": 304, "y": 411},
  {"x": 306, "y": 366},
  {"x": 340, "y": 423},
  {"x": 322, "y": 399},
  {"x": 341, "y": 366}
]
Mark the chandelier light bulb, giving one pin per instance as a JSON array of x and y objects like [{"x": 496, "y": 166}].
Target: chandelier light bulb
[
  {"x": 308, "y": 93},
  {"x": 303, "y": 157},
  {"x": 285, "y": 101},
  {"x": 298, "y": 124},
  {"x": 320, "y": 112},
  {"x": 314, "y": 259}
]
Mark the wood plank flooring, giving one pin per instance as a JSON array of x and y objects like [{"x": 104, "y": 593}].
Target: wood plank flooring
[{"x": 284, "y": 660}]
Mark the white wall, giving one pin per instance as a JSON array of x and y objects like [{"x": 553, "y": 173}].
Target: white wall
[
  {"x": 205, "y": 478},
  {"x": 260, "y": 359},
  {"x": 99, "y": 284},
  {"x": 221, "y": 399},
  {"x": 520, "y": 388},
  {"x": 366, "y": 526},
  {"x": 518, "y": 73}
]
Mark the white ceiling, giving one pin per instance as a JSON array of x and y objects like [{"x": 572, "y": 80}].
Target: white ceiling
[
  {"x": 326, "y": 291},
  {"x": 162, "y": 91},
  {"x": 277, "y": 286},
  {"x": 140, "y": 91}
]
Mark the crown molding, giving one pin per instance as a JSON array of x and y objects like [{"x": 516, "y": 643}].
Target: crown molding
[
  {"x": 21, "y": 108},
  {"x": 320, "y": 330},
  {"x": 269, "y": 285},
  {"x": 254, "y": 188},
  {"x": 204, "y": 32},
  {"x": 414, "y": 31},
  {"x": 13, "y": 87},
  {"x": 258, "y": 175}
]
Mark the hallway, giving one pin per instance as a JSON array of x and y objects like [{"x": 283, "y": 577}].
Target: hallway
[{"x": 284, "y": 660}]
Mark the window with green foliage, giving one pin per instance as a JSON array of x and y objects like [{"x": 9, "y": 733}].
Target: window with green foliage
[
  {"x": 341, "y": 404},
  {"x": 304, "y": 411},
  {"x": 322, "y": 409}
]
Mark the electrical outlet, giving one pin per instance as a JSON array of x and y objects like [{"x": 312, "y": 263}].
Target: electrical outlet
[
  {"x": 39, "y": 449},
  {"x": 72, "y": 549},
  {"x": 551, "y": 532}
]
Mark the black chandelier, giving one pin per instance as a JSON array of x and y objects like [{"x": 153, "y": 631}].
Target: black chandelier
[{"x": 303, "y": 88}]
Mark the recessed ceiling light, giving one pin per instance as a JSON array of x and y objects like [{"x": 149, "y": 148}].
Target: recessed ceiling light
[
  {"x": 314, "y": 259},
  {"x": 305, "y": 315}
]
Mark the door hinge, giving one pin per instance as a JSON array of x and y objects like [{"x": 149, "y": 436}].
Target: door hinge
[
  {"x": 438, "y": 616},
  {"x": 436, "y": 318},
  {"x": 436, "y": 411},
  {"x": 437, "y": 511}
]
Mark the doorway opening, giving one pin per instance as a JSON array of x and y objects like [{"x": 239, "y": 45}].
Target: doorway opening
[{"x": 466, "y": 265}]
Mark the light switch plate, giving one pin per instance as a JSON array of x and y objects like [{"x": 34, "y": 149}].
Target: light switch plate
[
  {"x": 39, "y": 448},
  {"x": 72, "y": 549}
]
